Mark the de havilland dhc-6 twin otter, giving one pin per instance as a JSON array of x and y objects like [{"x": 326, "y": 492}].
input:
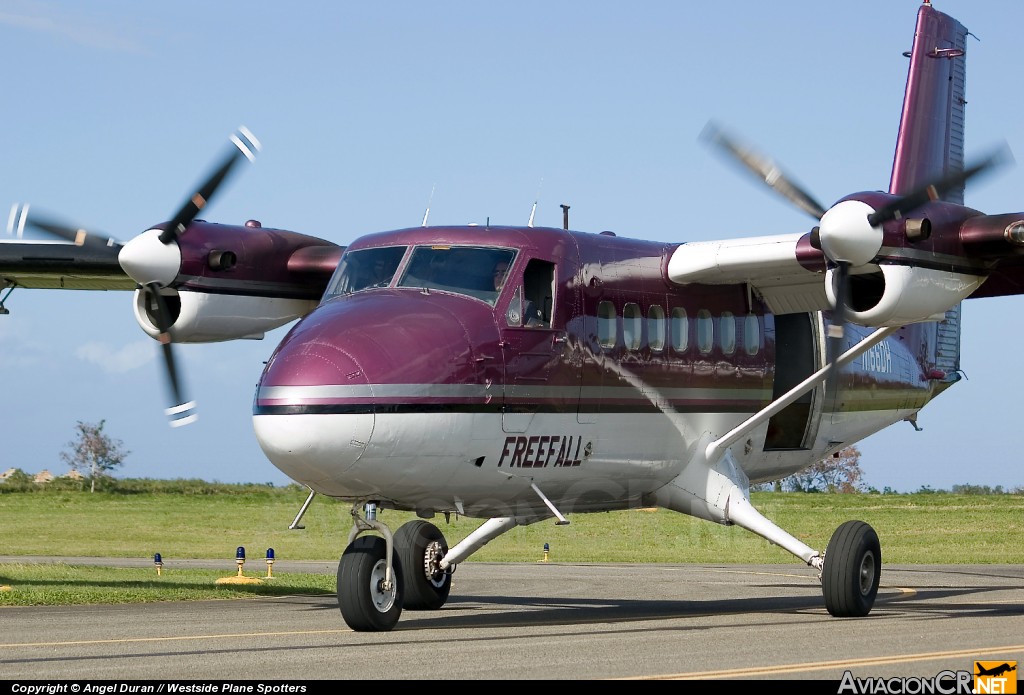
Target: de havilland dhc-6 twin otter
[{"x": 522, "y": 374}]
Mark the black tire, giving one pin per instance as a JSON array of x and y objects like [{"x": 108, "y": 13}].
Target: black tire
[
  {"x": 364, "y": 604},
  {"x": 853, "y": 567},
  {"x": 420, "y": 545}
]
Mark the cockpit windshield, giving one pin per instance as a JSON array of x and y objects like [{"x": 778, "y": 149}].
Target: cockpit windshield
[
  {"x": 365, "y": 268},
  {"x": 476, "y": 271}
]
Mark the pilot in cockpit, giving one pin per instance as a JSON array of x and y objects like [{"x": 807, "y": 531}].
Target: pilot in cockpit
[
  {"x": 500, "y": 273},
  {"x": 381, "y": 276}
]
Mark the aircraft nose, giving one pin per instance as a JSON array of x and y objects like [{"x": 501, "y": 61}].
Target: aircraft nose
[
  {"x": 146, "y": 259},
  {"x": 296, "y": 413},
  {"x": 360, "y": 391}
]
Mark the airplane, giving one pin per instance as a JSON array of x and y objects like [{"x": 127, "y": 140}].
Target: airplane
[
  {"x": 672, "y": 375},
  {"x": 995, "y": 670}
]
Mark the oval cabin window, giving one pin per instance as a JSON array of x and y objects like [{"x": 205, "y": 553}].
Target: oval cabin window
[{"x": 705, "y": 331}]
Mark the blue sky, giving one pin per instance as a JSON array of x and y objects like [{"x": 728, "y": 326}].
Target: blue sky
[{"x": 114, "y": 111}]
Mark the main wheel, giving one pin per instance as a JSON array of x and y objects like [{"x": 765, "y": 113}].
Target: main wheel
[
  {"x": 853, "y": 567},
  {"x": 367, "y": 602},
  {"x": 420, "y": 546}
]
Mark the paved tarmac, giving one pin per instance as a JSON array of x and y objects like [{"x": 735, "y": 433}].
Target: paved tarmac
[{"x": 541, "y": 621}]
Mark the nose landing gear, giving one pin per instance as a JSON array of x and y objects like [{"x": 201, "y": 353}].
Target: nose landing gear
[
  {"x": 420, "y": 546},
  {"x": 369, "y": 596},
  {"x": 378, "y": 576}
]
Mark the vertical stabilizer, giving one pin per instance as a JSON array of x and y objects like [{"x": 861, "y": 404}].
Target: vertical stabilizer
[{"x": 930, "y": 143}]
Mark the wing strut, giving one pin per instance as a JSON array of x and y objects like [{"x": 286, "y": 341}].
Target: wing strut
[
  {"x": 3, "y": 309},
  {"x": 717, "y": 447}
]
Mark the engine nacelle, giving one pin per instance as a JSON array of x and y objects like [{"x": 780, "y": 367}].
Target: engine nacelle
[
  {"x": 200, "y": 317},
  {"x": 894, "y": 295}
]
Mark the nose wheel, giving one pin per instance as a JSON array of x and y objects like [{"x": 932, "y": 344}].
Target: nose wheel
[
  {"x": 852, "y": 569},
  {"x": 419, "y": 546},
  {"x": 370, "y": 600}
]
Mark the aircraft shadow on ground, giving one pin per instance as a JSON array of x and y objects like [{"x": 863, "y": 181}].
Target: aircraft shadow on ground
[
  {"x": 484, "y": 611},
  {"x": 275, "y": 588}
]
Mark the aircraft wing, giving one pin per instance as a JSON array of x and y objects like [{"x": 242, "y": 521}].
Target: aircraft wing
[
  {"x": 61, "y": 265},
  {"x": 785, "y": 270}
]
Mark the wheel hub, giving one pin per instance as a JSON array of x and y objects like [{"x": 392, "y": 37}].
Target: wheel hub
[
  {"x": 381, "y": 590},
  {"x": 432, "y": 563},
  {"x": 867, "y": 573}
]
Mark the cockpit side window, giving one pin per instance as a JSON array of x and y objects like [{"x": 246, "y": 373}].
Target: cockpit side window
[
  {"x": 538, "y": 293},
  {"x": 475, "y": 271},
  {"x": 365, "y": 268},
  {"x": 532, "y": 302}
]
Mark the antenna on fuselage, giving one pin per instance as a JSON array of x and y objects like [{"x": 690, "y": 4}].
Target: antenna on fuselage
[
  {"x": 426, "y": 213},
  {"x": 533, "y": 210},
  {"x": 565, "y": 216}
]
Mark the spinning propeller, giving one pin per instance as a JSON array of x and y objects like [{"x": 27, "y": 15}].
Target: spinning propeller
[
  {"x": 153, "y": 258},
  {"x": 19, "y": 219},
  {"x": 849, "y": 233}
]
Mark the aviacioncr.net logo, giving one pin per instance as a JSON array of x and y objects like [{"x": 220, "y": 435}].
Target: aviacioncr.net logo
[{"x": 995, "y": 677}]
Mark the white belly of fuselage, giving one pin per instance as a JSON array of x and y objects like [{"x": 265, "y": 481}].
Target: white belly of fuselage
[{"x": 468, "y": 463}]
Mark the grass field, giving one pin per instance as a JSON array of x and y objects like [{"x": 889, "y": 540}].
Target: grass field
[{"x": 924, "y": 528}]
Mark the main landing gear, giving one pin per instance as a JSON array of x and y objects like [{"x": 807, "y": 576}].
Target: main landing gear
[
  {"x": 850, "y": 567},
  {"x": 851, "y": 570},
  {"x": 378, "y": 576}
]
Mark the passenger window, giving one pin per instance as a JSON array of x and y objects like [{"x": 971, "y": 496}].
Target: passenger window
[
  {"x": 751, "y": 335},
  {"x": 705, "y": 331},
  {"x": 680, "y": 330},
  {"x": 631, "y": 325},
  {"x": 727, "y": 330},
  {"x": 606, "y": 324},
  {"x": 656, "y": 328}
]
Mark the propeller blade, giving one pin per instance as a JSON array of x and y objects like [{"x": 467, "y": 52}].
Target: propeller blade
[
  {"x": 837, "y": 326},
  {"x": 181, "y": 412},
  {"x": 245, "y": 146},
  {"x": 765, "y": 170},
  {"x": 934, "y": 191},
  {"x": 19, "y": 219}
]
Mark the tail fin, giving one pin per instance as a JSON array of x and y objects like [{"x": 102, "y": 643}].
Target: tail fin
[{"x": 930, "y": 143}]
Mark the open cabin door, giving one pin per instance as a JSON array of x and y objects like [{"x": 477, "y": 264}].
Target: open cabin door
[
  {"x": 538, "y": 376},
  {"x": 795, "y": 360}
]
